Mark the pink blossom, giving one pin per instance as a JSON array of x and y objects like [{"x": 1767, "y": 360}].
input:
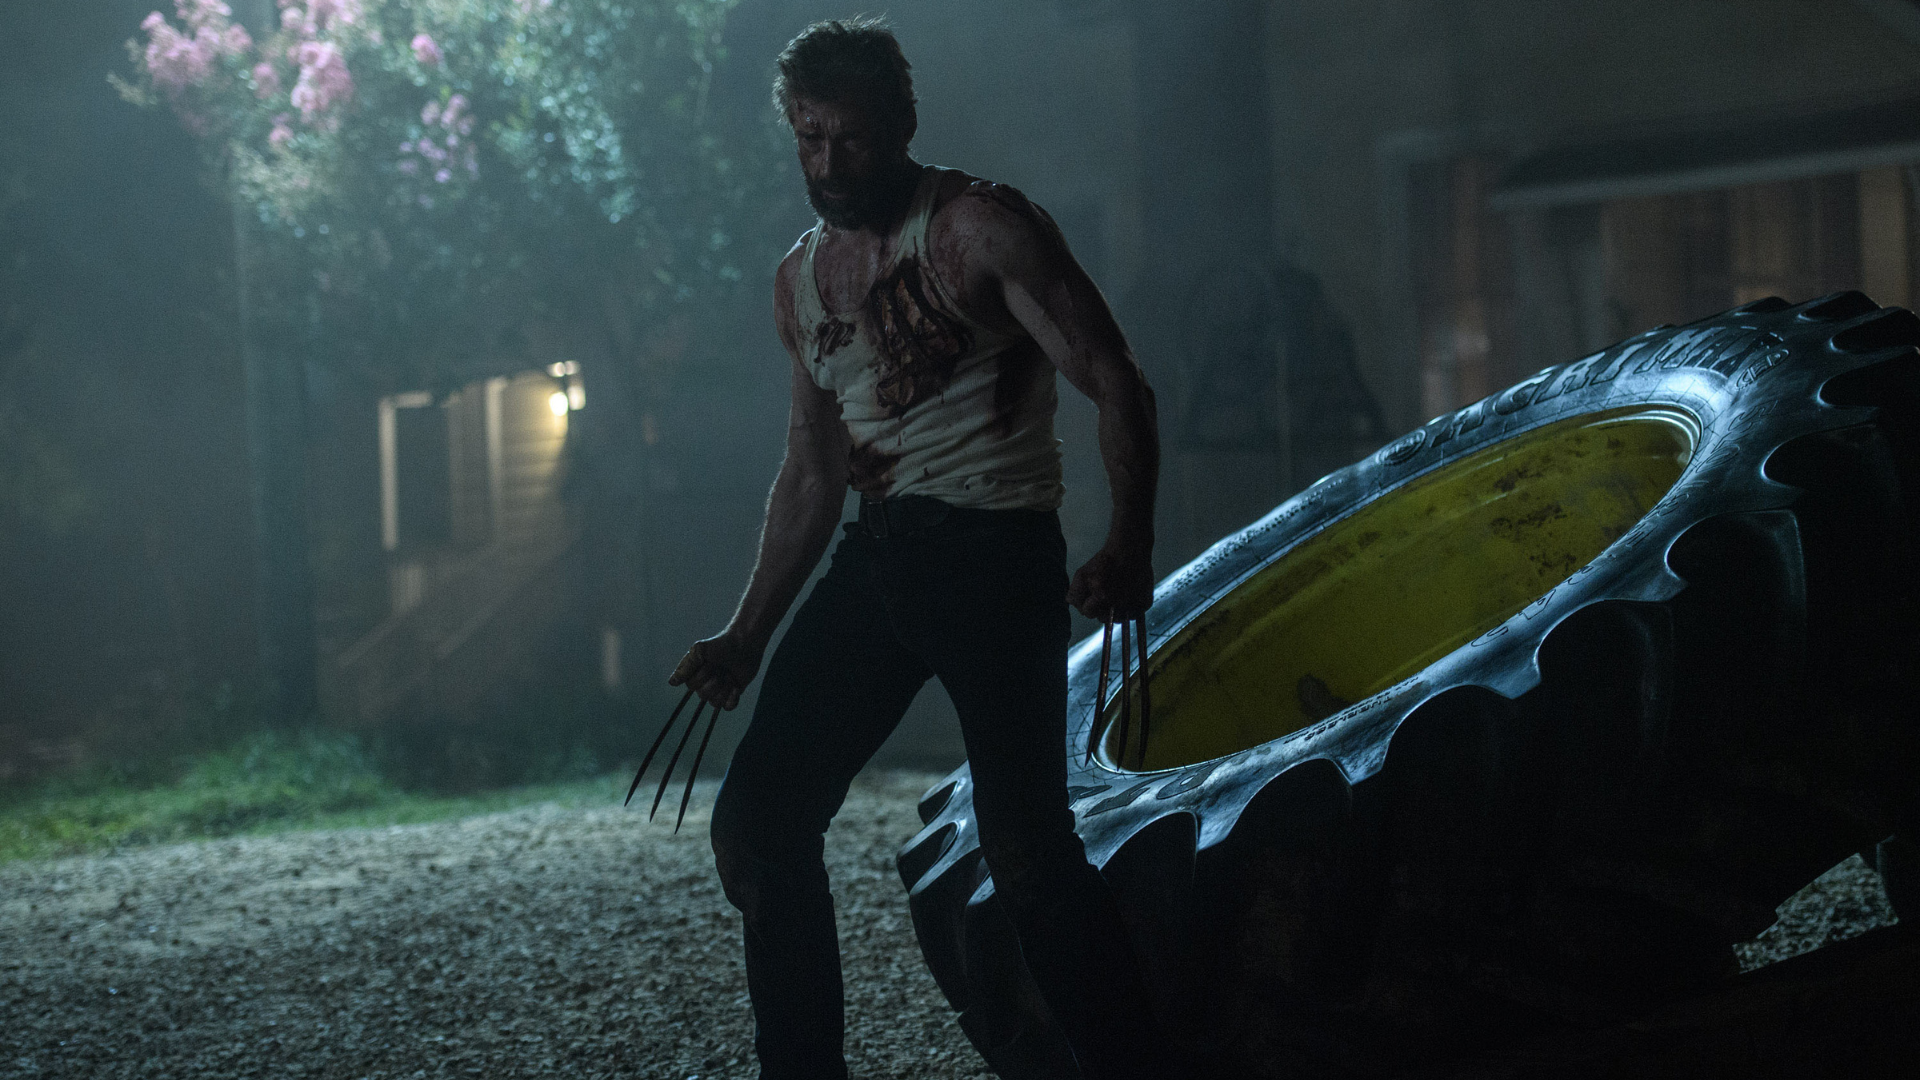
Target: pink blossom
[
  {"x": 320, "y": 16},
  {"x": 266, "y": 80},
  {"x": 236, "y": 41},
  {"x": 174, "y": 60},
  {"x": 282, "y": 132},
  {"x": 203, "y": 13},
  {"x": 455, "y": 118},
  {"x": 324, "y": 13},
  {"x": 210, "y": 42},
  {"x": 426, "y": 51},
  {"x": 447, "y": 123},
  {"x": 324, "y": 79}
]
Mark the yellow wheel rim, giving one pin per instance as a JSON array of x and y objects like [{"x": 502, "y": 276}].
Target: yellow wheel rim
[{"x": 1403, "y": 581}]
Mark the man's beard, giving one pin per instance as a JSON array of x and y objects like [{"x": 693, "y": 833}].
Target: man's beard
[{"x": 869, "y": 202}]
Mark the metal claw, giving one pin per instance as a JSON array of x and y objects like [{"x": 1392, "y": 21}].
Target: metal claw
[
  {"x": 655, "y": 748},
  {"x": 687, "y": 795},
  {"x": 692, "y": 723},
  {"x": 1126, "y": 698},
  {"x": 1146, "y": 695},
  {"x": 1100, "y": 700}
]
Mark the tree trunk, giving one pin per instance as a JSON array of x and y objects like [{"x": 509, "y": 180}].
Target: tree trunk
[{"x": 276, "y": 461}]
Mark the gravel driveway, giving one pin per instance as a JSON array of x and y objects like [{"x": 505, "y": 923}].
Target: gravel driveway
[{"x": 535, "y": 942}]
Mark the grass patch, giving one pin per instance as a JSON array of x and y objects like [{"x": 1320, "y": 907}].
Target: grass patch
[{"x": 269, "y": 783}]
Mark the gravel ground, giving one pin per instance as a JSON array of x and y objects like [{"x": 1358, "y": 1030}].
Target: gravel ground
[
  {"x": 1846, "y": 901},
  {"x": 536, "y": 942}
]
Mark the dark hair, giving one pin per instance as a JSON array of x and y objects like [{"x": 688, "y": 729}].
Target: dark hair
[{"x": 857, "y": 60}]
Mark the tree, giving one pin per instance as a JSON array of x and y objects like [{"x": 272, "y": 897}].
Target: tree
[
  {"x": 429, "y": 191},
  {"x": 437, "y": 171}
]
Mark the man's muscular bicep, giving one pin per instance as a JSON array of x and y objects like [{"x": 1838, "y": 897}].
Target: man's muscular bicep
[
  {"x": 814, "y": 427},
  {"x": 1017, "y": 266}
]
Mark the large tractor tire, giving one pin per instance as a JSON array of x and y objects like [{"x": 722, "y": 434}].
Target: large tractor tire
[{"x": 1512, "y": 728}]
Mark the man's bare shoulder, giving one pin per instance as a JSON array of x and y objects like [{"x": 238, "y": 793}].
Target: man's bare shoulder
[
  {"x": 789, "y": 269},
  {"x": 983, "y": 219},
  {"x": 784, "y": 277}
]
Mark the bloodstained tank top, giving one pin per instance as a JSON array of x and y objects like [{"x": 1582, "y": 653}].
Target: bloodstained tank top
[{"x": 936, "y": 403}]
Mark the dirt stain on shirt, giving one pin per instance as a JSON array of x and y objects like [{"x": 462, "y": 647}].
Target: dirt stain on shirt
[
  {"x": 832, "y": 335},
  {"x": 919, "y": 343},
  {"x": 870, "y": 470}
]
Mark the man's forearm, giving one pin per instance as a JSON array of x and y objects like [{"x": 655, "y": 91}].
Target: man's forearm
[
  {"x": 802, "y": 512},
  {"x": 1130, "y": 448}
]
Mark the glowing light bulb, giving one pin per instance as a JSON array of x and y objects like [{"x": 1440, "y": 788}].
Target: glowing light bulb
[{"x": 558, "y": 403}]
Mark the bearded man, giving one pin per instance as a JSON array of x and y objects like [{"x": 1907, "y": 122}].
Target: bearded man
[{"x": 925, "y": 315}]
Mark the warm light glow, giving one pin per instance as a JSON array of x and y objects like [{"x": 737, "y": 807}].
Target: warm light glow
[
  {"x": 558, "y": 403},
  {"x": 576, "y": 396},
  {"x": 610, "y": 658}
]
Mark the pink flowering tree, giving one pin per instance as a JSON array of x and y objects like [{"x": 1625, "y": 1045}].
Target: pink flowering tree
[
  {"x": 426, "y": 192},
  {"x": 431, "y": 176}
]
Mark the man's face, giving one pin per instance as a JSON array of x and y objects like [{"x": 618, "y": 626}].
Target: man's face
[{"x": 851, "y": 159}]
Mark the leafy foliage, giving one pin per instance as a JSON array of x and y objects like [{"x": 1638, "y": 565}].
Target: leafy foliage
[
  {"x": 435, "y": 174},
  {"x": 265, "y": 783}
]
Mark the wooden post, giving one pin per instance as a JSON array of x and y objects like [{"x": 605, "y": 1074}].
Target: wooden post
[{"x": 1883, "y": 236}]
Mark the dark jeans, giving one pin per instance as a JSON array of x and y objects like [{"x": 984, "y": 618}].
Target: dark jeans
[{"x": 977, "y": 600}]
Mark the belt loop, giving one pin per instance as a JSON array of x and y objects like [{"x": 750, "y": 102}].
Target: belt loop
[{"x": 875, "y": 513}]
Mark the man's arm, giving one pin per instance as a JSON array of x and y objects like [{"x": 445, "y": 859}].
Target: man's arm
[
  {"x": 802, "y": 512},
  {"x": 1016, "y": 269}
]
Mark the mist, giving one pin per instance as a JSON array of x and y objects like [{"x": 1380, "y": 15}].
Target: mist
[{"x": 462, "y": 466}]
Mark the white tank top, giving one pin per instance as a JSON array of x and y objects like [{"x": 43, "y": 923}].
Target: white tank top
[{"x": 936, "y": 403}]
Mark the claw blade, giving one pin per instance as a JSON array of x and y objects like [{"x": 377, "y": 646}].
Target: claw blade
[
  {"x": 692, "y": 722},
  {"x": 655, "y": 748},
  {"x": 687, "y": 795},
  {"x": 1126, "y": 698},
  {"x": 1100, "y": 699},
  {"x": 1146, "y": 695}
]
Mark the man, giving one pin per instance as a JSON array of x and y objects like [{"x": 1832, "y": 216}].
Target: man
[{"x": 925, "y": 315}]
